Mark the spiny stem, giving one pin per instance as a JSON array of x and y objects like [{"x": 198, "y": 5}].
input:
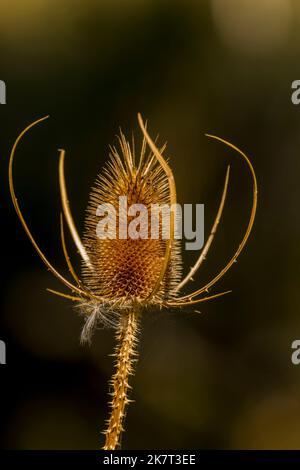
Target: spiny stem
[{"x": 126, "y": 355}]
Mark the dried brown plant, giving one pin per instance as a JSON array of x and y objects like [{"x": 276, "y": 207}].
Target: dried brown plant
[{"x": 121, "y": 277}]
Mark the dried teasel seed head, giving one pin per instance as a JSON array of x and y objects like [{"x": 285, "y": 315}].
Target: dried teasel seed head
[
  {"x": 126, "y": 270},
  {"x": 121, "y": 275}
]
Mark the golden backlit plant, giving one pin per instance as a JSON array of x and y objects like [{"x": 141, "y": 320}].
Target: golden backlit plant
[{"x": 122, "y": 277}]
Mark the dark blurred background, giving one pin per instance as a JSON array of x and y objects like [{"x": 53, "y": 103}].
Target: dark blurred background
[{"x": 219, "y": 379}]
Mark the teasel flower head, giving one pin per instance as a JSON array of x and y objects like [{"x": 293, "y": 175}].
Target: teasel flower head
[
  {"x": 123, "y": 275},
  {"x": 126, "y": 270}
]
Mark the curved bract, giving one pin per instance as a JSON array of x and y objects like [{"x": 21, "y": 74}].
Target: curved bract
[{"x": 20, "y": 215}]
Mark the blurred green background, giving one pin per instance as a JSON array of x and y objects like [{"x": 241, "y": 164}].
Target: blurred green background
[{"x": 219, "y": 379}]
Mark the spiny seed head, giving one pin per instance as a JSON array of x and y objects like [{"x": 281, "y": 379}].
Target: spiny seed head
[{"x": 127, "y": 269}]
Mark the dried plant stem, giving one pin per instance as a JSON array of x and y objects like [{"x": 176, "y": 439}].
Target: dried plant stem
[{"x": 126, "y": 355}]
